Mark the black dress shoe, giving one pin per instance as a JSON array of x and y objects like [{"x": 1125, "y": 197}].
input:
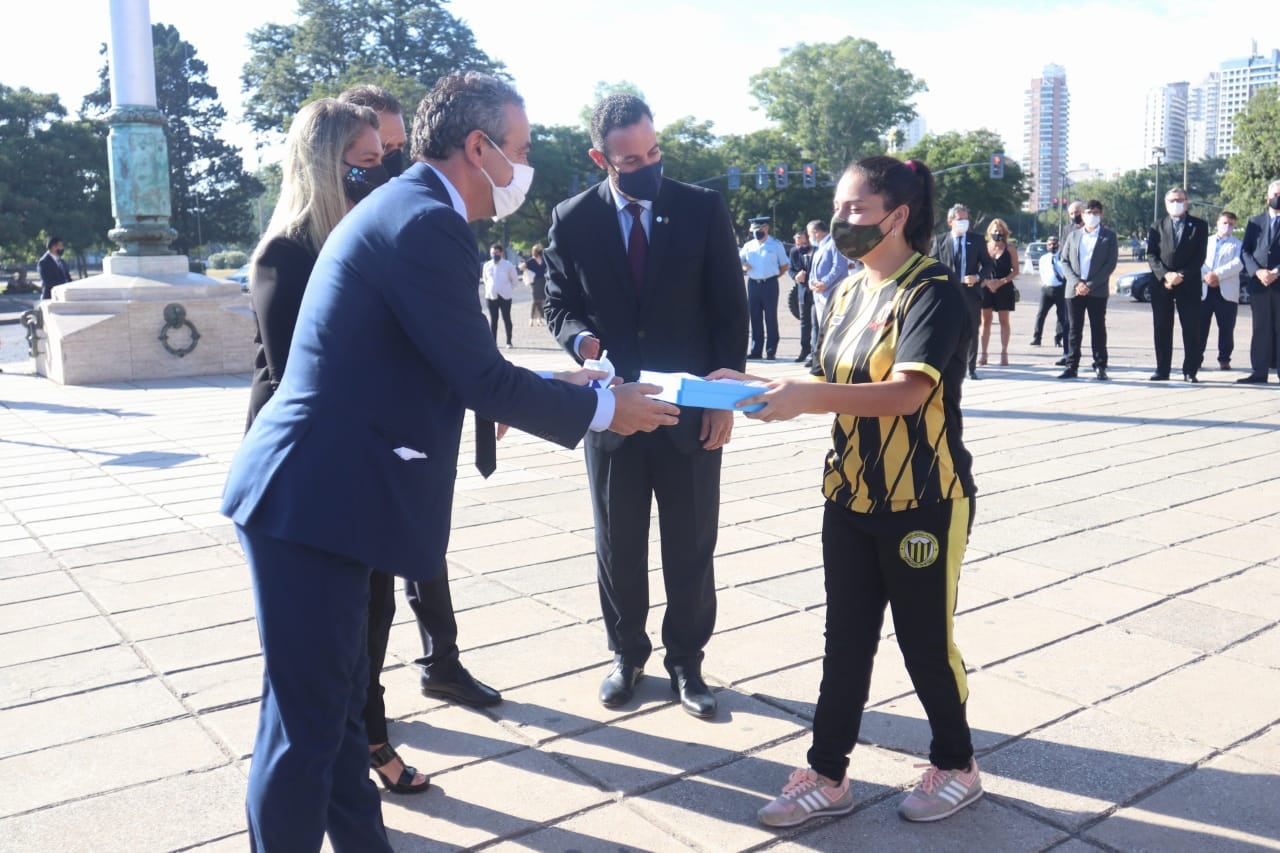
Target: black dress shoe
[
  {"x": 755, "y": 353},
  {"x": 973, "y": 374},
  {"x": 455, "y": 684},
  {"x": 1102, "y": 374},
  {"x": 1224, "y": 364},
  {"x": 619, "y": 685},
  {"x": 1190, "y": 377},
  {"x": 1062, "y": 362},
  {"x": 1035, "y": 342},
  {"x": 1069, "y": 373},
  {"x": 802, "y": 357},
  {"x": 695, "y": 696},
  {"x": 1252, "y": 379},
  {"x": 770, "y": 356},
  {"x": 1158, "y": 377}
]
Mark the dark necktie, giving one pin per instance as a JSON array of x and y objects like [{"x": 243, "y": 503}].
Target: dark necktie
[
  {"x": 957, "y": 260},
  {"x": 486, "y": 447},
  {"x": 637, "y": 245},
  {"x": 1275, "y": 228},
  {"x": 1177, "y": 231}
]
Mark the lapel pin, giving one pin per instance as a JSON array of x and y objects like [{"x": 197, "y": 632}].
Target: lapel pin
[{"x": 658, "y": 219}]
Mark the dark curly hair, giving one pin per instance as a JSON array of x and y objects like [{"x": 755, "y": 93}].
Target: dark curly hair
[{"x": 615, "y": 111}]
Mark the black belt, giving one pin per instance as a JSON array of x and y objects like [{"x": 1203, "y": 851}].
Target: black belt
[{"x": 763, "y": 280}]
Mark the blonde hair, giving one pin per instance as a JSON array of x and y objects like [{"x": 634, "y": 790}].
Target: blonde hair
[
  {"x": 311, "y": 196},
  {"x": 536, "y": 251},
  {"x": 1001, "y": 224}
]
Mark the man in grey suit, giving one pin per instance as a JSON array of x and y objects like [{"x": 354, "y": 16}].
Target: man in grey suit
[{"x": 1088, "y": 260}]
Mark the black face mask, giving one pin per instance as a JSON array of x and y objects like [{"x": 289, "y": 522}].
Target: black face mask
[
  {"x": 359, "y": 181},
  {"x": 855, "y": 241},
  {"x": 999, "y": 238},
  {"x": 759, "y": 235},
  {"x": 394, "y": 163},
  {"x": 1274, "y": 202},
  {"x": 1078, "y": 219},
  {"x": 496, "y": 257},
  {"x": 644, "y": 183}
]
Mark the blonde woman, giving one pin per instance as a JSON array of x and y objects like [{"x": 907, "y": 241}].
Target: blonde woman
[
  {"x": 998, "y": 287},
  {"x": 332, "y": 160}
]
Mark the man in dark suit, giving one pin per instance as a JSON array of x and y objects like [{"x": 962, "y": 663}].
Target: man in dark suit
[
  {"x": 801, "y": 261},
  {"x": 1176, "y": 247},
  {"x": 53, "y": 269},
  {"x": 647, "y": 268},
  {"x": 1260, "y": 253},
  {"x": 352, "y": 462},
  {"x": 1088, "y": 259},
  {"x": 965, "y": 253}
]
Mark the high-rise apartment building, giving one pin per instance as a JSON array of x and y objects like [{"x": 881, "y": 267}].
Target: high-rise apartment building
[
  {"x": 1044, "y": 137},
  {"x": 1238, "y": 81},
  {"x": 1165, "y": 127},
  {"x": 1202, "y": 119}
]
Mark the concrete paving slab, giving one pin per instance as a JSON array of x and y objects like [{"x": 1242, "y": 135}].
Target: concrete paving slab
[
  {"x": 201, "y": 647},
  {"x": 569, "y": 705},
  {"x": 46, "y": 611},
  {"x": 52, "y": 641},
  {"x": 218, "y": 685},
  {"x": 743, "y": 653},
  {"x": 205, "y": 612},
  {"x": 1170, "y": 571},
  {"x": 50, "y": 678},
  {"x": 1263, "y": 649},
  {"x": 1091, "y": 598},
  {"x": 30, "y": 564},
  {"x": 1005, "y": 576},
  {"x": 770, "y": 561},
  {"x": 614, "y": 828},
  {"x": 1008, "y": 628},
  {"x": 801, "y": 590},
  {"x": 1255, "y": 591},
  {"x": 1228, "y": 805},
  {"x": 1196, "y": 626},
  {"x": 1264, "y": 749},
  {"x": 1216, "y": 701},
  {"x": 450, "y": 737}
]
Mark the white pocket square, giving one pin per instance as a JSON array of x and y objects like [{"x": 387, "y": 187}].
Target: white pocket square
[{"x": 409, "y": 454}]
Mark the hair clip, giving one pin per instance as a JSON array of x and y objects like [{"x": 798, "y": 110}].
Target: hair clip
[{"x": 910, "y": 164}]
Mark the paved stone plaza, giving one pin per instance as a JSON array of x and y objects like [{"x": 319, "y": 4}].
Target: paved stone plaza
[{"x": 1118, "y": 611}]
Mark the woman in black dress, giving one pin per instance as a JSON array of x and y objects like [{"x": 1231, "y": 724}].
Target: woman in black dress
[
  {"x": 537, "y": 265},
  {"x": 998, "y": 287}
]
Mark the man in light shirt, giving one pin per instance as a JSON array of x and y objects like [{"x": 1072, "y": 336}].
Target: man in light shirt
[
  {"x": 764, "y": 260},
  {"x": 1088, "y": 260},
  {"x": 500, "y": 279},
  {"x": 1220, "y": 296},
  {"x": 1052, "y": 286},
  {"x": 827, "y": 269}
]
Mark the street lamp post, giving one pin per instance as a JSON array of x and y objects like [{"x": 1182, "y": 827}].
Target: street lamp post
[{"x": 1155, "y": 202}]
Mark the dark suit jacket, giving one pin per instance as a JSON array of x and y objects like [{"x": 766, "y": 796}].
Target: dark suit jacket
[
  {"x": 1186, "y": 256},
  {"x": 976, "y": 260},
  {"x": 53, "y": 272},
  {"x": 1101, "y": 265},
  {"x": 691, "y": 313},
  {"x": 389, "y": 348},
  {"x": 1259, "y": 253}
]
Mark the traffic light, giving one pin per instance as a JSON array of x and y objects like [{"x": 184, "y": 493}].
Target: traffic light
[
  {"x": 762, "y": 177},
  {"x": 997, "y": 165},
  {"x": 780, "y": 176},
  {"x": 810, "y": 175},
  {"x": 735, "y": 178}
]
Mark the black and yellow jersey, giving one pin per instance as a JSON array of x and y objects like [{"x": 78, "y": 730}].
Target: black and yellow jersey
[{"x": 915, "y": 320}]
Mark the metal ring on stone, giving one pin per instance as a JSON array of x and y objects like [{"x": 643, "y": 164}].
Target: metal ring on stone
[{"x": 175, "y": 317}]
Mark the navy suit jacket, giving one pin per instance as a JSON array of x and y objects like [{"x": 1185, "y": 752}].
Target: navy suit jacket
[
  {"x": 1165, "y": 254},
  {"x": 690, "y": 315},
  {"x": 53, "y": 272},
  {"x": 1257, "y": 252},
  {"x": 389, "y": 349},
  {"x": 976, "y": 260}
]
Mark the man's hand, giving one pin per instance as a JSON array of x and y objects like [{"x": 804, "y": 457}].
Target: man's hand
[
  {"x": 1267, "y": 277},
  {"x": 1211, "y": 279},
  {"x": 717, "y": 426},
  {"x": 729, "y": 373},
  {"x": 1082, "y": 289},
  {"x": 801, "y": 277},
  {"x": 589, "y": 347},
  {"x": 970, "y": 280},
  {"x": 581, "y": 376},
  {"x": 1172, "y": 279},
  {"x": 818, "y": 287},
  {"x": 634, "y": 410}
]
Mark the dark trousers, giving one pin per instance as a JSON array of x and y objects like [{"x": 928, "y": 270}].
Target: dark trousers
[
  {"x": 1186, "y": 299},
  {"x": 1096, "y": 309},
  {"x": 432, "y": 606},
  {"x": 762, "y": 303},
  {"x": 973, "y": 302},
  {"x": 1215, "y": 307},
  {"x": 310, "y": 771},
  {"x": 1056, "y": 298},
  {"x": 382, "y": 611},
  {"x": 806, "y": 318},
  {"x": 499, "y": 306},
  {"x": 1264, "y": 350},
  {"x": 871, "y": 560},
  {"x": 624, "y": 482}
]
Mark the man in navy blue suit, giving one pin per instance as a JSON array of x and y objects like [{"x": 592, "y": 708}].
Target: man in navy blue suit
[{"x": 351, "y": 465}]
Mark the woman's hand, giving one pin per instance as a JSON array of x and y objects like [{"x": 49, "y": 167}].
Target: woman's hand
[
  {"x": 727, "y": 373},
  {"x": 783, "y": 399}
]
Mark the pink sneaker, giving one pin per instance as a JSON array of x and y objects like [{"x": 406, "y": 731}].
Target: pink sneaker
[
  {"x": 806, "y": 795},
  {"x": 942, "y": 793}
]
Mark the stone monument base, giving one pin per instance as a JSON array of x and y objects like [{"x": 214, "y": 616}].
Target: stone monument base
[{"x": 145, "y": 317}]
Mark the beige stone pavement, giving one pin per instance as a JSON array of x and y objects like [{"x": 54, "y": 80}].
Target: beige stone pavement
[{"x": 1119, "y": 613}]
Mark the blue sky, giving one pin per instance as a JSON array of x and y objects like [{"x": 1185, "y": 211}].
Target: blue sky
[{"x": 695, "y": 57}]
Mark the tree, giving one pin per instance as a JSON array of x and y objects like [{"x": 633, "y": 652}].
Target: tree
[
  {"x": 211, "y": 193},
  {"x": 986, "y": 197},
  {"x": 835, "y": 102},
  {"x": 402, "y": 45},
  {"x": 1258, "y": 161},
  {"x": 790, "y": 208},
  {"x": 53, "y": 177},
  {"x": 604, "y": 90}
]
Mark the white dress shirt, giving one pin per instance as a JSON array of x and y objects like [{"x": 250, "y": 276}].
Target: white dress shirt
[
  {"x": 1223, "y": 258},
  {"x": 1088, "y": 240},
  {"x": 500, "y": 279}
]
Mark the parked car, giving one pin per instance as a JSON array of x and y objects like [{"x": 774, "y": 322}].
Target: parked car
[
  {"x": 1035, "y": 250},
  {"x": 1136, "y": 285},
  {"x": 240, "y": 277}
]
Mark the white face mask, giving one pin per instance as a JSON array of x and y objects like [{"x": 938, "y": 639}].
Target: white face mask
[
  {"x": 1224, "y": 230},
  {"x": 960, "y": 226},
  {"x": 1177, "y": 208},
  {"x": 1092, "y": 220},
  {"x": 507, "y": 200}
]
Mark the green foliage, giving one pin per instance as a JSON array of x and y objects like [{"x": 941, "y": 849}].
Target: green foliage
[
  {"x": 986, "y": 197},
  {"x": 232, "y": 260},
  {"x": 559, "y": 154},
  {"x": 53, "y": 177},
  {"x": 402, "y": 45},
  {"x": 1258, "y": 162},
  {"x": 211, "y": 193},
  {"x": 836, "y": 101},
  {"x": 604, "y": 90},
  {"x": 791, "y": 208}
]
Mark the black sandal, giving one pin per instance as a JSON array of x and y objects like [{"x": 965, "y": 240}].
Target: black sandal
[{"x": 383, "y": 756}]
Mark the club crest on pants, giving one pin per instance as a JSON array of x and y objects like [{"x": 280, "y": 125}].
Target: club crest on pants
[{"x": 918, "y": 549}]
